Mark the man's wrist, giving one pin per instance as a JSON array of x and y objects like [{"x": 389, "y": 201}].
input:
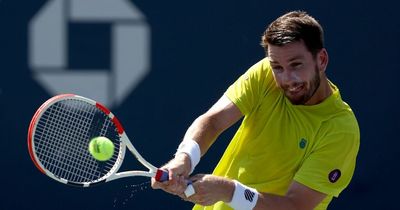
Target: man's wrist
[
  {"x": 244, "y": 197},
  {"x": 230, "y": 189},
  {"x": 192, "y": 149}
]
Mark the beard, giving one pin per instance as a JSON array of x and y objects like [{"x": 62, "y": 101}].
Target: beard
[{"x": 309, "y": 91}]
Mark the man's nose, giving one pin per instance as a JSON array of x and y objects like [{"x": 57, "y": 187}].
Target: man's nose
[{"x": 288, "y": 77}]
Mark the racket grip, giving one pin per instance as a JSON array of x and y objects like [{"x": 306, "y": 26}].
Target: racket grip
[{"x": 161, "y": 176}]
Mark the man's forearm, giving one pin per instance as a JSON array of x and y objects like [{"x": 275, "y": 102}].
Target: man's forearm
[{"x": 203, "y": 132}]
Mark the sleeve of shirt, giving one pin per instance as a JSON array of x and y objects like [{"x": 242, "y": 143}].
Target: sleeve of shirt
[
  {"x": 247, "y": 90},
  {"x": 330, "y": 167}
]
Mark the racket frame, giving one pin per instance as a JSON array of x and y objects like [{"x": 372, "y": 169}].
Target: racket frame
[{"x": 113, "y": 173}]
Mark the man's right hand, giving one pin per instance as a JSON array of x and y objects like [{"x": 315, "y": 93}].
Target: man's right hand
[{"x": 178, "y": 170}]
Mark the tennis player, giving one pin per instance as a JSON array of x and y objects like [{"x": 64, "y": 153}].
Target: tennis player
[{"x": 297, "y": 144}]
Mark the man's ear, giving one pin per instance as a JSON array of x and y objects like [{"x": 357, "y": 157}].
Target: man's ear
[{"x": 322, "y": 59}]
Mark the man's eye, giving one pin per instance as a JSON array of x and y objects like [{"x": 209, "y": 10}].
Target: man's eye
[
  {"x": 277, "y": 68},
  {"x": 297, "y": 65}
]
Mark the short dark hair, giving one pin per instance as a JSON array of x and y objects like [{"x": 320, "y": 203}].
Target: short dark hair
[{"x": 294, "y": 26}]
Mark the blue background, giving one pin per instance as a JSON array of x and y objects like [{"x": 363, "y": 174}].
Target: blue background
[{"x": 198, "y": 49}]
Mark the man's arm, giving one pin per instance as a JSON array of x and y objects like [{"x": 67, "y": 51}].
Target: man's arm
[
  {"x": 210, "y": 189},
  {"x": 298, "y": 197},
  {"x": 204, "y": 130},
  {"x": 207, "y": 127}
]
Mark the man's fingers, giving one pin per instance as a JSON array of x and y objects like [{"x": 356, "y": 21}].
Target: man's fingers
[
  {"x": 196, "y": 177},
  {"x": 175, "y": 186},
  {"x": 158, "y": 185}
]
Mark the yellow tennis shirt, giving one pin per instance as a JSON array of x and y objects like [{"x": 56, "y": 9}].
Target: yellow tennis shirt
[{"x": 279, "y": 142}]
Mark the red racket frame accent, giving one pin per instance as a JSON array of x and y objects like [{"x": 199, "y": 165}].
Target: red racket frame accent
[
  {"x": 114, "y": 119},
  {"x": 33, "y": 121}
]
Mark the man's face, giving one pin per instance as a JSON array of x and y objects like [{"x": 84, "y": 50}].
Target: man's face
[{"x": 295, "y": 70}]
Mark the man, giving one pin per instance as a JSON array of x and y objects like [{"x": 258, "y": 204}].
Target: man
[{"x": 297, "y": 145}]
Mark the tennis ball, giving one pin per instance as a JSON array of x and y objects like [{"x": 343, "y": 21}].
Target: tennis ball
[{"x": 101, "y": 148}]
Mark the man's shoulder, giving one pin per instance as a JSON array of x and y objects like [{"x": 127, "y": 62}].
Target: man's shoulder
[{"x": 344, "y": 121}]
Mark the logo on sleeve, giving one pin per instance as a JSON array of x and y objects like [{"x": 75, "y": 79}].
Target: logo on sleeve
[
  {"x": 334, "y": 175},
  {"x": 249, "y": 195}
]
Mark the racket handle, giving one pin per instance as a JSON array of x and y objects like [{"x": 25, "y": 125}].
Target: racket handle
[{"x": 162, "y": 176}]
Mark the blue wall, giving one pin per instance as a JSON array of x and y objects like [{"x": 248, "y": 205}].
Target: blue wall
[{"x": 198, "y": 49}]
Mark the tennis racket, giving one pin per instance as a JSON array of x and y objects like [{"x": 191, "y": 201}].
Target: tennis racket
[{"x": 58, "y": 139}]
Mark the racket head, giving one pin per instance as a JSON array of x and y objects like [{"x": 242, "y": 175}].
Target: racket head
[{"x": 59, "y": 135}]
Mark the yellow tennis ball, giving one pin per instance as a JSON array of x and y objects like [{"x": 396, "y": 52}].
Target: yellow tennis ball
[{"x": 101, "y": 148}]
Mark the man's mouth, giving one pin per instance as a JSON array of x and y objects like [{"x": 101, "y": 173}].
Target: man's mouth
[{"x": 295, "y": 89}]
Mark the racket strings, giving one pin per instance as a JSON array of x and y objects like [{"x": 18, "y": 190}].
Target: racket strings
[
  {"x": 62, "y": 137},
  {"x": 61, "y": 125}
]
